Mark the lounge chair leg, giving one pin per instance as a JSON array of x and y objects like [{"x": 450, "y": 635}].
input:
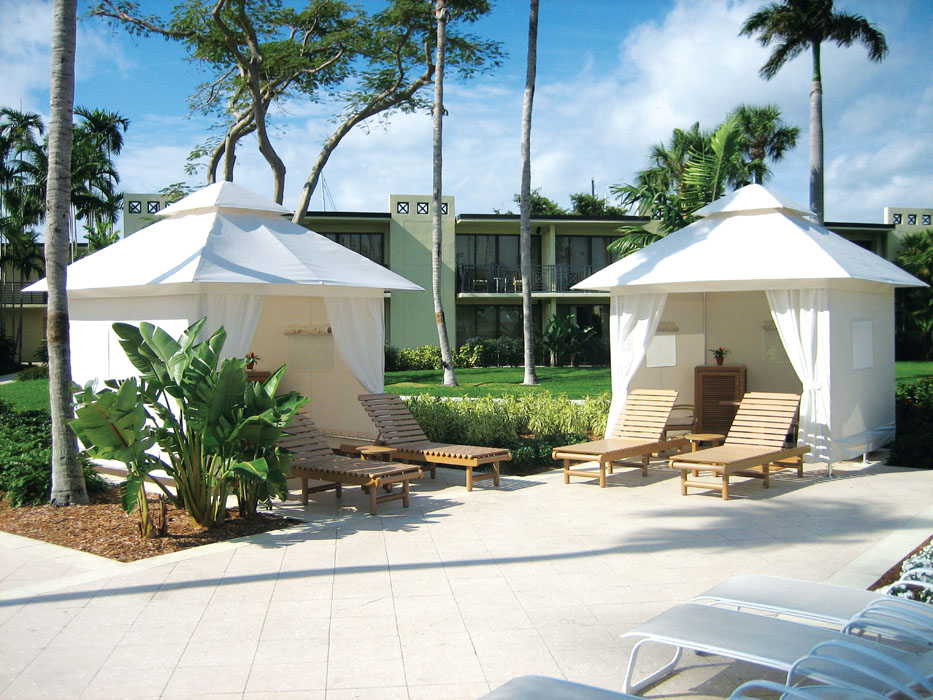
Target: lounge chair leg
[
  {"x": 304, "y": 492},
  {"x": 629, "y": 687},
  {"x": 725, "y": 486},
  {"x": 566, "y": 471},
  {"x": 766, "y": 471},
  {"x": 644, "y": 464},
  {"x": 602, "y": 474},
  {"x": 405, "y": 493},
  {"x": 469, "y": 478},
  {"x": 339, "y": 490},
  {"x": 495, "y": 479},
  {"x": 373, "y": 505}
]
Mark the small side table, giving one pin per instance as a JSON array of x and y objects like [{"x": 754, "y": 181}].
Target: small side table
[
  {"x": 696, "y": 438},
  {"x": 377, "y": 452}
]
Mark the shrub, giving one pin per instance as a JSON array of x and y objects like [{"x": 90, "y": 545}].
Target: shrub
[
  {"x": 914, "y": 416},
  {"x": 26, "y": 458},
  {"x": 530, "y": 425},
  {"x": 7, "y": 355},
  {"x": 424, "y": 357},
  {"x": 33, "y": 372},
  {"x": 917, "y": 567},
  {"x": 393, "y": 362}
]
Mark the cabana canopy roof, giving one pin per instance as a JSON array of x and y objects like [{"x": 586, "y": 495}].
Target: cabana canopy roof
[
  {"x": 225, "y": 235},
  {"x": 749, "y": 240}
]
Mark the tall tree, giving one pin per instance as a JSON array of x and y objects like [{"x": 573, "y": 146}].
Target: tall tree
[
  {"x": 394, "y": 63},
  {"x": 68, "y": 486},
  {"x": 441, "y": 12},
  {"x": 528, "y": 328},
  {"x": 765, "y": 137},
  {"x": 795, "y": 26}
]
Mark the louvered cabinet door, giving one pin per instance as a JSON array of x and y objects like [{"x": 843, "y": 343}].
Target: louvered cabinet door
[{"x": 714, "y": 388}]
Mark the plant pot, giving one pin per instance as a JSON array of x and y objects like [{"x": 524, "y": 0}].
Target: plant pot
[
  {"x": 719, "y": 360},
  {"x": 249, "y": 365}
]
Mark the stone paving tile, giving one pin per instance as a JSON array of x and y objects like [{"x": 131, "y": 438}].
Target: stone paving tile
[{"x": 447, "y": 600}]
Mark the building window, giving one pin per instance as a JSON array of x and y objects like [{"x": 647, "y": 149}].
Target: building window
[
  {"x": 401, "y": 207},
  {"x": 911, "y": 219},
  {"x": 422, "y": 207},
  {"x": 444, "y": 208},
  {"x": 925, "y": 219},
  {"x": 492, "y": 321},
  {"x": 369, "y": 245},
  {"x": 897, "y": 218},
  {"x": 487, "y": 250},
  {"x": 152, "y": 207},
  {"x": 136, "y": 207},
  {"x": 583, "y": 253}
]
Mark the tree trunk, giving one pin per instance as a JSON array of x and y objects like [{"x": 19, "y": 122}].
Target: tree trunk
[
  {"x": 68, "y": 486},
  {"x": 816, "y": 138},
  {"x": 531, "y": 376},
  {"x": 441, "y": 12}
]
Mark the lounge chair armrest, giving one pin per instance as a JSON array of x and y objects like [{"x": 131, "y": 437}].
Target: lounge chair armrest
[
  {"x": 910, "y": 609},
  {"x": 786, "y": 692},
  {"x": 892, "y": 623}
]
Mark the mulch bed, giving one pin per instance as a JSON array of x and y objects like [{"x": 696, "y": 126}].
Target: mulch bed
[
  {"x": 894, "y": 573},
  {"x": 103, "y": 528}
]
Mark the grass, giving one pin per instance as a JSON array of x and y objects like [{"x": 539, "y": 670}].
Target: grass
[
  {"x": 574, "y": 382},
  {"x": 910, "y": 372},
  {"x": 27, "y": 396}
]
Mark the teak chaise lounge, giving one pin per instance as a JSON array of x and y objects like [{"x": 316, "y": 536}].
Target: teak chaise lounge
[
  {"x": 755, "y": 445},
  {"x": 313, "y": 458},
  {"x": 398, "y": 429},
  {"x": 637, "y": 433}
]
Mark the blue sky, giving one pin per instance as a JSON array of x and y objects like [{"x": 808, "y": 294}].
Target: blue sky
[{"x": 614, "y": 77}]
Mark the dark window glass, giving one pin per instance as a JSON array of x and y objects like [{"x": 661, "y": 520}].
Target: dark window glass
[
  {"x": 508, "y": 251},
  {"x": 510, "y": 321},
  {"x": 485, "y": 250},
  {"x": 369, "y": 245},
  {"x": 486, "y": 321}
]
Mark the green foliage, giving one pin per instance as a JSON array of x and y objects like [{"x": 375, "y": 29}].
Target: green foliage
[
  {"x": 541, "y": 205},
  {"x": 566, "y": 341},
  {"x": 8, "y": 361},
  {"x": 27, "y": 396},
  {"x": 26, "y": 457},
  {"x": 914, "y": 306},
  {"x": 33, "y": 373},
  {"x": 218, "y": 431},
  {"x": 594, "y": 207},
  {"x": 530, "y": 426},
  {"x": 914, "y": 419}
]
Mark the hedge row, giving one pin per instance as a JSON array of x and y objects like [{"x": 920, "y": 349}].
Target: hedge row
[
  {"x": 529, "y": 425},
  {"x": 914, "y": 416}
]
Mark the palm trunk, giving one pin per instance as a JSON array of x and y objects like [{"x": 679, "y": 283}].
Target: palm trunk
[
  {"x": 68, "y": 486},
  {"x": 441, "y": 12},
  {"x": 816, "y": 138},
  {"x": 531, "y": 376}
]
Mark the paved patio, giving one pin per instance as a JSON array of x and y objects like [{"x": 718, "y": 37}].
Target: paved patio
[{"x": 446, "y": 599}]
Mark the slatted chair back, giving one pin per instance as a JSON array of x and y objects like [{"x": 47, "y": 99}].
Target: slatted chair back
[
  {"x": 304, "y": 440},
  {"x": 393, "y": 420},
  {"x": 763, "y": 419},
  {"x": 645, "y": 414}
]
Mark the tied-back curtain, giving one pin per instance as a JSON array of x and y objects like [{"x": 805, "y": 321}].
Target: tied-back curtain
[
  {"x": 633, "y": 320},
  {"x": 358, "y": 325},
  {"x": 802, "y": 320},
  {"x": 238, "y": 314}
]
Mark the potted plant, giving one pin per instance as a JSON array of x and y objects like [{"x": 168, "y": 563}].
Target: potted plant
[
  {"x": 251, "y": 359},
  {"x": 720, "y": 354}
]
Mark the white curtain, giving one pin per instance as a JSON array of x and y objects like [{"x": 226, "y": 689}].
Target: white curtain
[
  {"x": 358, "y": 325},
  {"x": 238, "y": 314},
  {"x": 802, "y": 320},
  {"x": 633, "y": 319}
]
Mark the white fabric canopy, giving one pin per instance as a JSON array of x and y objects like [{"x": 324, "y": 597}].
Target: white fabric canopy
[
  {"x": 803, "y": 323},
  {"x": 633, "y": 321},
  {"x": 238, "y": 314},
  {"x": 355, "y": 323}
]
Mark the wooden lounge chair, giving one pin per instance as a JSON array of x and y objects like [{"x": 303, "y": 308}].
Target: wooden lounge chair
[
  {"x": 312, "y": 458},
  {"x": 398, "y": 428},
  {"x": 755, "y": 445},
  {"x": 637, "y": 433}
]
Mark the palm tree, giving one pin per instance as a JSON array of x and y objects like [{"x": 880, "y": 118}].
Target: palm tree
[
  {"x": 105, "y": 130},
  {"x": 525, "y": 241},
  {"x": 765, "y": 137},
  {"x": 797, "y": 25},
  {"x": 442, "y": 14},
  {"x": 68, "y": 486}
]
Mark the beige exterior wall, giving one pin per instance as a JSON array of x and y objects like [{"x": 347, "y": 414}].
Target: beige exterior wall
[
  {"x": 139, "y": 209},
  {"x": 315, "y": 368}
]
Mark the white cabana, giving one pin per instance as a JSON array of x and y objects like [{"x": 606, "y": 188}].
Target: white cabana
[
  {"x": 284, "y": 292},
  {"x": 804, "y": 309}
]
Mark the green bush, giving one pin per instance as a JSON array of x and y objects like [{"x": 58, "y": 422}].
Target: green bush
[
  {"x": 26, "y": 458},
  {"x": 530, "y": 425},
  {"x": 33, "y": 372},
  {"x": 393, "y": 361},
  {"x": 914, "y": 416},
  {"x": 475, "y": 352},
  {"x": 424, "y": 357}
]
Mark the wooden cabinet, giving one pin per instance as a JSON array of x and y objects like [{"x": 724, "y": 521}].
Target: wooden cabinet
[{"x": 714, "y": 388}]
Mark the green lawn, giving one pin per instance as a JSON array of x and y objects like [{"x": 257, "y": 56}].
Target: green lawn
[
  {"x": 910, "y": 372},
  {"x": 27, "y": 396},
  {"x": 575, "y": 382}
]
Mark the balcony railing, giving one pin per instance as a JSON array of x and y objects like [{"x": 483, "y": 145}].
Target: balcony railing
[
  {"x": 11, "y": 294},
  {"x": 503, "y": 279}
]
